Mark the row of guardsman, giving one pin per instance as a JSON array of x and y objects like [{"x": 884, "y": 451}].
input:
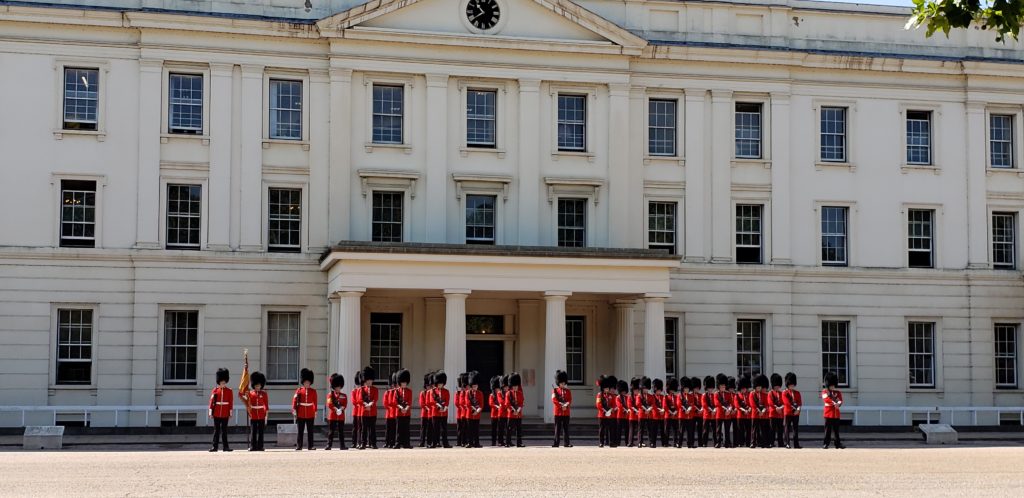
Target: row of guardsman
[{"x": 728, "y": 413}]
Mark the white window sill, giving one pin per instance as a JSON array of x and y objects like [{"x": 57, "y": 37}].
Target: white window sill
[
  {"x": 1008, "y": 390},
  {"x": 822, "y": 165},
  {"x": 664, "y": 159},
  {"x": 269, "y": 142},
  {"x": 740, "y": 161},
  {"x": 100, "y": 135},
  {"x": 167, "y": 137},
  {"x": 927, "y": 390},
  {"x": 555, "y": 155},
  {"x": 466, "y": 150},
  {"x": 71, "y": 387},
  {"x": 907, "y": 168},
  {"x": 1004, "y": 171},
  {"x": 369, "y": 146}
]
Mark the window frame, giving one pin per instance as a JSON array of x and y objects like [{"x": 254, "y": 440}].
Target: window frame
[
  {"x": 821, "y": 235},
  {"x": 265, "y": 340},
  {"x": 270, "y": 75},
  {"x": 845, "y": 135},
  {"x": 1015, "y": 234},
  {"x": 590, "y": 98},
  {"x": 935, "y": 154},
  {"x": 382, "y": 377},
  {"x": 735, "y": 232},
  {"x": 465, "y": 217},
  {"x": 766, "y": 348},
  {"x": 936, "y": 355},
  {"x": 675, "y": 128},
  {"x": 185, "y": 69},
  {"x": 1016, "y": 112},
  {"x": 492, "y": 185},
  {"x": 936, "y": 223},
  {"x": 849, "y": 349},
  {"x": 165, "y": 198},
  {"x": 503, "y": 119},
  {"x": 765, "y": 102},
  {"x": 408, "y": 115},
  {"x": 161, "y": 346},
  {"x": 677, "y": 350},
  {"x": 56, "y": 180},
  {"x": 679, "y": 96},
  {"x": 103, "y": 68},
  {"x": 587, "y": 221},
  {"x": 1014, "y": 355},
  {"x": 582, "y": 318},
  {"x": 53, "y": 356},
  {"x": 675, "y": 246},
  {"x": 303, "y": 188},
  {"x": 405, "y": 212}
]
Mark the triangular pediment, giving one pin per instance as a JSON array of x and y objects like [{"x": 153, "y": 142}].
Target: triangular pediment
[{"x": 560, "y": 21}]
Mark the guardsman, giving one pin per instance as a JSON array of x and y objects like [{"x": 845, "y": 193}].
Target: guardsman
[
  {"x": 634, "y": 412},
  {"x": 390, "y": 413},
  {"x": 759, "y": 402},
  {"x": 670, "y": 431},
  {"x": 743, "y": 413},
  {"x": 474, "y": 409},
  {"x": 460, "y": 409},
  {"x": 259, "y": 407},
  {"x": 403, "y": 405},
  {"x": 561, "y": 398},
  {"x": 368, "y": 397},
  {"x": 832, "y": 398},
  {"x": 707, "y": 403},
  {"x": 730, "y": 416},
  {"x": 611, "y": 419},
  {"x": 777, "y": 409},
  {"x": 335, "y": 406},
  {"x": 622, "y": 412},
  {"x": 426, "y": 415},
  {"x": 222, "y": 402},
  {"x": 793, "y": 403},
  {"x": 441, "y": 398},
  {"x": 304, "y": 405},
  {"x": 494, "y": 400},
  {"x": 357, "y": 408},
  {"x": 601, "y": 408},
  {"x": 691, "y": 410},
  {"x": 657, "y": 420},
  {"x": 698, "y": 411},
  {"x": 514, "y": 400},
  {"x": 722, "y": 410}
]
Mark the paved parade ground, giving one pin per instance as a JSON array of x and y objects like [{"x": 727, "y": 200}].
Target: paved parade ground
[{"x": 536, "y": 471}]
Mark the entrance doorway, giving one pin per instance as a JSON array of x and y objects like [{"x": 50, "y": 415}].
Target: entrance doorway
[{"x": 485, "y": 349}]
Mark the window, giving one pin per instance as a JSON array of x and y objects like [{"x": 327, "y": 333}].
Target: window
[
  {"x": 1004, "y": 240},
  {"x": 922, "y": 354},
  {"x": 286, "y": 109},
  {"x": 74, "y": 346},
  {"x": 919, "y": 137},
  {"x": 186, "y": 101},
  {"x": 283, "y": 346},
  {"x": 835, "y": 350},
  {"x": 1006, "y": 355},
  {"x": 748, "y": 130},
  {"x": 661, "y": 226},
  {"x": 181, "y": 347},
  {"x": 661, "y": 127},
  {"x": 749, "y": 342},
  {"x": 920, "y": 242},
  {"x": 671, "y": 347},
  {"x": 81, "y": 98},
  {"x": 748, "y": 233},
  {"x": 77, "y": 213},
  {"x": 387, "y": 216},
  {"x": 388, "y": 114},
  {"x": 833, "y": 134},
  {"x": 1000, "y": 140},
  {"x": 574, "y": 332},
  {"x": 284, "y": 220},
  {"x": 572, "y": 123},
  {"x": 481, "y": 115},
  {"x": 184, "y": 214},
  {"x": 385, "y": 344},
  {"x": 572, "y": 222},
  {"x": 833, "y": 235},
  {"x": 480, "y": 219}
]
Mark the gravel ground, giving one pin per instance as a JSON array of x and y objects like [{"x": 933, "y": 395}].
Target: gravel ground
[{"x": 534, "y": 471}]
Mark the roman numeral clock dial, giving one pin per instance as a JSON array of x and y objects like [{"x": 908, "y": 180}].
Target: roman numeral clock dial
[{"x": 483, "y": 14}]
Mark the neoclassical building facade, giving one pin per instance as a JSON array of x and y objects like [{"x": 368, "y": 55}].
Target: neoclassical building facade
[{"x": 658, "y": 187}]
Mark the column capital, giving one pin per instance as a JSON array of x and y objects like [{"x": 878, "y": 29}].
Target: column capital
[
  {"x": 624, "y": 303},
  {"x": 350, "y": 292},
  {"x": 780, "y": 97},
  {"x": 619, "y": 89},
  {"x": 221, "y": 69},
  {"x": 529, "y": 85},
  {"x": 151, "y": 65},
  {"x": 657, "y": 296},
  {"x": 319, "y": 75},
  {"x": 695, "y": 93},
  {"x": 252, "y": 70},
  {"x": 719, "y": 96},
  {"x": 437, "y": 80},
  {"x": 457, "y": 292},
  {"x": 340, "y": 74},
  {"x": 556, "y": 295}
]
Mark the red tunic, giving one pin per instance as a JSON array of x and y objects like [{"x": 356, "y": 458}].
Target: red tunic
[
  {"x": 460, "y": 404},
  {"x": 304, "y": 402},
  {"x": 681, "y": 402},
  {"x": 474, "y": 396},
  {"x": 259, "y": 404},
  {"x": 445, "y": 397},
  {"x": 775, "y": 403},
  {"x": 494, "y": 400},
  {"x": 369, "y": 395},
  {"x": 730, "y": 403},
  {"x": 832, "y": 402},
  {"x": 357, "y": 403},
  {"x": 425, "y": 404},
  {"x": 741, "y": 403},
  {"x": 222, "y": 400},
  {"x": 659, "y": 412},
  {"x": 759, "y": 399},
  {"x": 514, "y": 403},
  {"x": 695, "y": 410},
  {"x": 403, "y": 397},
  {"x": 557, "y": 408},
  {"x": 335, "y": 402},
  {"x": 707, "y": 403},
  {"x": 390, "y": 410},
  {"x": 791, "y": 397},
  {"x": 622, "y": 411}
]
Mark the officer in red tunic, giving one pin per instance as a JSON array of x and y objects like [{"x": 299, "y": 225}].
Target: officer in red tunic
[
  {"x": 832, "y": 399},
  {"x": 707, "y": 402},
  {"x": 335, "y": 406},
  {"x": 690, "y": 410},
  {"x": 760, "y": 436},
  {"x": 776, "y": 409},
  {"x": 368, "y": 397},
  {"x": 792, "y": 402},
  {"x": 390, "y": 413},
  {"x": 670, "y": 431},
  {"x": 497, "y": 417},
  {"x": 460, "y": 409},
  {"x": 259, "y": 406},
  {"x": 441, "y": 398},
  {"x": 621, "y": 397},
  {"x": 474, "y": 409},
  {"x": 743, "y": 412},
  {"x": 698, "y": 411},
  {"x": 304, "y": 405},
  {"x": 357, "y": 408},
  {"x": 656, "y": 420},
  {"x": 722, "y": 410},
  {"x": 730, "y": 414},
  {"x": 604, "y": 410},
  {"x": 426, "y": 416},
  {"x": 561, "y": 399},
  {"x": 222, "y": 402},
  {"x": 403, "y": 407},
  {"x": 514, "y": 400}
]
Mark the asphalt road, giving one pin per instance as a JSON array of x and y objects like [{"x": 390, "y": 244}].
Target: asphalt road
[{"x": 534, "y": 471}]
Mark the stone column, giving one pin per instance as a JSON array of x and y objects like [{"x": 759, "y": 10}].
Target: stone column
[
  {"x": 350, "y": 336},
  {"x": 454, "y": 339},
  {"x": 529, "y": 187},
  {"x": 977, "y": 213},
  {"x": 698, "y": 207},
  {"x": 251, "y": 179},
  {"x": 554, "y": 345},
  {"x": 625, "y": 361},
  {"x": 619, "y": 167},
  {"x": 654, "y": 335},
  {"x": 780, "y": 161},
  {"x": 147, "y": 226},
  {"x": 722, "y": 151},
  {"x": 340, "y": 163},
  {"x": 221, "y": 83},
  {"x": 437, "y": 158}
]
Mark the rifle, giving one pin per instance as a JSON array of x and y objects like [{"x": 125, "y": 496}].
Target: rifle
[
  {"x": 835, "y": 399},
  {"x": 757, "y": 402},
  {"x": 473, "y": 403},
  {"x": 792, "y": 401},
  {"x": 604, "y": 405},
  {"x": 559, "y": 398},
  {"x": 400, "y": 400},
  {"x": 336, "y": 401},
  {"x": 744, "y": 406},
  {"x": 672, "y": 405},
  {"x": 438, "y": 401}
]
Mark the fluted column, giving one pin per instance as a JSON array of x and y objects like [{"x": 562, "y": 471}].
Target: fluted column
[
  {"x": 625, "y": 361},
  {"x": 454, "y": 338},
  {"x": 654, "y": 335},
  {"x": 349, "y": 355},
  {"x": 554, "y": 344}
]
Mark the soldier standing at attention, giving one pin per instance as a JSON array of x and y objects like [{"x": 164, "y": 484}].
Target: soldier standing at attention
[
  {"x": 562, "y": 401},
  {"x": 335, "y": 406},
  {"x": 776, "y": 408},
  {"x": 441, "y": 398},
  {"x": 368, "y": 396},
  {"x": 222, "y": 402},
  {"x": 304, "y": 408},
  {"x": 793, "y": 402},
  {"x": 259, "y": 406},
  {"x": 357, "y": 409},
  {"x": 494, "y": 401},
  {"x": 426, "y": 416},
  {"x": 514, "y": 400},
  {"x": 832, "y": 399},
  {"x": 390, "y": 413},
  {"x": 403, "y": 406}
]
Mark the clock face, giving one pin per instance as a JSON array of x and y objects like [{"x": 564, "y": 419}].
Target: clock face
[{"x": 483, "y": 14}]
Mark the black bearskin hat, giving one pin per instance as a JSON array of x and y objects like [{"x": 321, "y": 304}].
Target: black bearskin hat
[
  {"x": 474, "y": 379},
  {"x": 561, "y": 376},
  {"x": 645, "y": 382},
  {"x": 658, "y": 384},
  {"x": 831, "y": 379},
  {"x": 730, "y": 383},
  {"x": 426, "y": 380},
  {"x": 369, "y": 374},
  {"x": 337, "y": 381},
  {"x": 622, "y": 387},
  {"x": 495, "y": 383},
  {"x": 612, "y": 382},
  {"x": 673, "y": 384},
  {"x": 404, "y": 376},
  {"x": 358, "y": 378},
  {"x": 721, "y": 380},
  {"x": 634, "y": 383},
  {"x": 306, "y": 375},
  {"x": 223, "y": 375},
  {"x": 440, "y": 377},
  {"x": 684, "y": 383},
  {"x": 462, "y": 379},
  {"x": 744, "y": 382},
  {"x": 709, "y": 382},
  {"x": 258, "y": 379},
  {"x": 601, "y": 381},
  {"x": 761, "y": 381},
  {"x": 695, "y": 383},
  {"x": 504, "y": 381},
  {"x": 790, "y": 379},
  {"x": 776, "y": 380},
  {"x": 515, "y": 380},
  {"x": 393, "y": 378}
]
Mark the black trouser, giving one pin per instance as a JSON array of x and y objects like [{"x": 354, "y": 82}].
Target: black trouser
[
  {"x": 742, "y": 437},
  {"x": 603, "y": 432},
  {"x": 390, "y": 432},
  {"x": 369, "y": 432},
  {"x": 670, "y": 432},
  {"x": 709, "y": 432},
  {"x": 357, "y": 430},
  {"x": 441, "y": 431},
  {"x": 497, "y": 429},
  {"x": 792, "y": 435},
  {"x": 634, "y": 432},
  {"x": 690, "y": 424},
  {"x": 336, "y": 428},
  {"x": 777, "y": 431},
  {"x": 762, "y": 427},
  {"x": 729, "y": 433},
  {"x": 515, "y": 426},
  {"x": 832, "y": 429},
  {"x": 304, "y": 424},
  {"x": 653, "y": 431},
  {"x": 562, "y": 429},
  {"x": 459, "y": 427},
  {"x": 425, "y": 426},
  {"x": 403, "y": 437},
  {"x": 613, "y": 432},
  {"x": 220, "y": 431},
  {"x": 622, "y": 431},
  {"x": 256, "y": 434},
  {"x": 473, "y": 433}
]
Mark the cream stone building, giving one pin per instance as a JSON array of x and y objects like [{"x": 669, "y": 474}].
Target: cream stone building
[{"x": 643, "y": 187}]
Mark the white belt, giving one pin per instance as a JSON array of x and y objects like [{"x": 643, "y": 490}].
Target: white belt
[
  {"x": 305, "y": 404},
  {"x": 257, "y": 406},
  {"x": 221, "y": 403}
]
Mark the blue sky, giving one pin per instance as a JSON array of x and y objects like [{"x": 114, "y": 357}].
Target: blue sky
[{"x": 900, "y": 3}]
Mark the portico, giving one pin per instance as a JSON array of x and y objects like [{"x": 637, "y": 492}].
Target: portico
[{"x": 535, "y": 288}]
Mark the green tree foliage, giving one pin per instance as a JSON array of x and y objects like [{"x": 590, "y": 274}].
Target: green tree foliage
[{"x": 1003, "y": 17}]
